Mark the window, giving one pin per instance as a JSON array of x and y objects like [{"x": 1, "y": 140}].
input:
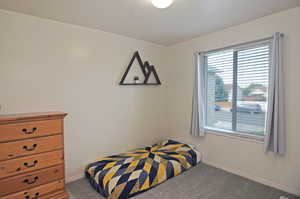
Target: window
[{"x": 236, "y": 89}]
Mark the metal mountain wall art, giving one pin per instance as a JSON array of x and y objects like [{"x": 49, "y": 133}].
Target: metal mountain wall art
[{"x": 147, "y": 69}]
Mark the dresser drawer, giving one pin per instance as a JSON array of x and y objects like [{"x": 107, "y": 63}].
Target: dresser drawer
[
  {"x": 40, "y": 192},
  {"x": 30, "y": 163},
  {"x": 17, "y": 131},
  {"x": 29, "y": 147},
  {"x": 33, "y": 179},
  {"x": 59, "y": 195}
]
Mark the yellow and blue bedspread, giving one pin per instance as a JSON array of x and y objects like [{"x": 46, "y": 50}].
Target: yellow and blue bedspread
[{"x": 125, "y": 175}]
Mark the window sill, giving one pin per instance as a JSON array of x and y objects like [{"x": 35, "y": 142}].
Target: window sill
[{"x": 235, "y": 135}]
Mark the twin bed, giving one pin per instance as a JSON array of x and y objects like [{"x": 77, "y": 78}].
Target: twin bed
[{"x": 126, "y": 175}]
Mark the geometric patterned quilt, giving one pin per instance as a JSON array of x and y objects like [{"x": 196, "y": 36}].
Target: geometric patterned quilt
[{"x": 126, "y": 175}]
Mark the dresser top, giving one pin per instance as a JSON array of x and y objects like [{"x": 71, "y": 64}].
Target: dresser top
[{"x": 31, "y": 116}]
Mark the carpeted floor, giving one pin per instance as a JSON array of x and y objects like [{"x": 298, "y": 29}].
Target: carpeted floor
[{"x": 201, "y": 182}]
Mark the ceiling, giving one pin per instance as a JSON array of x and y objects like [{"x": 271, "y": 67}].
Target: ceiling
[{"x": 184, "y": 20}]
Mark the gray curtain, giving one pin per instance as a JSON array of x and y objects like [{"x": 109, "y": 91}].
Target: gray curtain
[
  {"x": 198, "y": 115},
  {"x": 275, "y": 132}
]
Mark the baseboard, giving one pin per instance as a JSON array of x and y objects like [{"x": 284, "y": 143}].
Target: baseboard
[
  {"x": 261, "y": 180},
  {"x": 74, "y": 177}
]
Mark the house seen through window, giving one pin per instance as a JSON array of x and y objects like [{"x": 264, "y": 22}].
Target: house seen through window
[{"x": 236, "y": 82}]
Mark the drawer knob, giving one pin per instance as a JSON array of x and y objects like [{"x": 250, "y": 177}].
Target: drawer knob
[
  {"x": 30, "y": 149},
  {"x": 30, "y": 165},
  {"x": 29, "y": 132},
  {"x": 36, "y": 196},
  {"x": 27, "y": 181}
]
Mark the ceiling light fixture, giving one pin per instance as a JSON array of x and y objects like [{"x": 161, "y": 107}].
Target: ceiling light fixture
[{"x": 162, "y": 3}]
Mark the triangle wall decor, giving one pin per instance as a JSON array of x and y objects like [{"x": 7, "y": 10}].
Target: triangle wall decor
[{"x": 147, "y": 70}]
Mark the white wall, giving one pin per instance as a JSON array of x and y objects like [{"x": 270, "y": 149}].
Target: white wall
[
  {"x": 48, "y": 66},
  {"x": 238, "y": 155}
]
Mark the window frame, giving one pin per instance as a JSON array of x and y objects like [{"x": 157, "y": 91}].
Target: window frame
[{"x": 235, "y": 49}]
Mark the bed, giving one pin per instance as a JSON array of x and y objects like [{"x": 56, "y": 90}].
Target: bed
[{"x": 126, "y": 175}]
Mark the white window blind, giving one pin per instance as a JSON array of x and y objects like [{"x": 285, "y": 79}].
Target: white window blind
[{"x": 237, "y": 89}]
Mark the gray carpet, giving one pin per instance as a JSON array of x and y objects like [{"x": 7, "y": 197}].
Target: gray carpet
[{"x": 201, "y": 182}]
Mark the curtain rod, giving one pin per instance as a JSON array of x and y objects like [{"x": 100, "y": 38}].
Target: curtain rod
[{"x": 241, "y": 44}]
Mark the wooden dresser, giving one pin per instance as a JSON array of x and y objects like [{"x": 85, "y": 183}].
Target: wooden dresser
[{"x": 32, "y": 156}]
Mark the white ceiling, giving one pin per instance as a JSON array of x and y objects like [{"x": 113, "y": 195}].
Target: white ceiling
[{"x": 184, "y": 20}]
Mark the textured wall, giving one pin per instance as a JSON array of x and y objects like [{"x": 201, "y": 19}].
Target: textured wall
[
  {"x": 47, "y": 66},
  {"x": 241, "y": 156}
]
